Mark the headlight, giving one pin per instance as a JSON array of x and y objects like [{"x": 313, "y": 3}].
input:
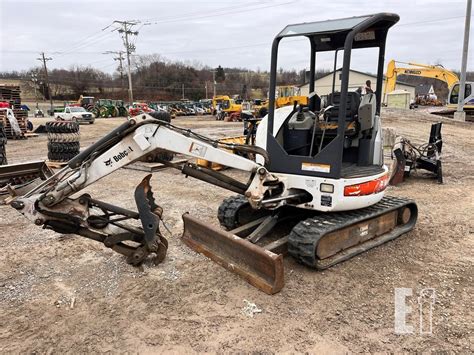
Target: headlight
[{"x": 328, "y": 188}]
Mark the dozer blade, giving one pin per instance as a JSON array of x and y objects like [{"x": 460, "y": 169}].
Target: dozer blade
[{"x": 261, "y": 268}]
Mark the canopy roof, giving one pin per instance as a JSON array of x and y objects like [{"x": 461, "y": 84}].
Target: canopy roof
[{"x": 369, "y": 31}]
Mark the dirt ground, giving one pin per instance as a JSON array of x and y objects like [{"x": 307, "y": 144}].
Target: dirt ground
[{"x": 63, "y": 293}]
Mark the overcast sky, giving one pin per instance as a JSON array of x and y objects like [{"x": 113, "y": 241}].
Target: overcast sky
[{"x": 231, "y": 33}]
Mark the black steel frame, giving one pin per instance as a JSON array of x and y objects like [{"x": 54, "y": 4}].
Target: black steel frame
[{"x": 331, "y": 155}]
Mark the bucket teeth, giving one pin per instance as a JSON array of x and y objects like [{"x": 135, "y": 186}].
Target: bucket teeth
[{"x": 146, "y": 208}]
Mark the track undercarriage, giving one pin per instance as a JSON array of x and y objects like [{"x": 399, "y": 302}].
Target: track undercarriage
[{"x": 256, "y": 241}]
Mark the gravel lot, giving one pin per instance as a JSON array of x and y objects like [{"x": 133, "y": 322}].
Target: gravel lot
[{"x": 64, "y": 293}]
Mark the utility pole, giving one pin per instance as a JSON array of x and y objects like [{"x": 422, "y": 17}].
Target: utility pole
[
  {"x": 205, "y": 87},
  {"x": 214, "y": 81},
  {"x": 460, "y": 114},
  {"x": 44, "y": 60},
  {"x": 120, "y": 58},
  {"x": 126, "y": 30},
  {"x": 182, "y": 87},
  {"x": 34, "y": 79}
]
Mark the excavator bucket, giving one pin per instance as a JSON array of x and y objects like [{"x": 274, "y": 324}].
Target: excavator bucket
[{"x": 259, "y": 266}]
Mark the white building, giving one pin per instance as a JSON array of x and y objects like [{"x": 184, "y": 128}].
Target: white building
[{"x": 323, "y": 85}]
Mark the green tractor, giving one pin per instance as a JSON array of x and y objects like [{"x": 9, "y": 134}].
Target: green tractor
[
  {"x": 105, "y": 108},
  {"x": 120, "y": 105}
]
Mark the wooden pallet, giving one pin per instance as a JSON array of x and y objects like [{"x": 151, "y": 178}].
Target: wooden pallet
[
  {"x": 11, "y": 94},
  {"x": 152, "y": 167}
]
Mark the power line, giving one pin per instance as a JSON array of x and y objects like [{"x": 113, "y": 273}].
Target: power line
[
  {"x": 120, "y": 59},
  {"x": 44, "y": 60},
  {"x": 125, "y": 29},
  {"x": 86, "y": 44},
  {"x": 194, "y": 13},
  {"x": 430, "y": 21},
  {"x": 82, "y": 40}
]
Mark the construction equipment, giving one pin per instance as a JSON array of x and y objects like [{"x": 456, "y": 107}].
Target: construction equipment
[
  {"x": 468, "y": 97},
  {"x": 87, "y": 102},
  {"x": 217, "y": 100},
  {"x": 408, "y": 157},
  {"x": 239, "y": 140},
  {"x": 228, "y": 108},
  {"x": 315, "y": 190},
  {"x": 434, "y": 72},
  {"x": 103, "y": 107},
  {"x": 18, "y": 179},
  {"x": 139, "y": 107},
  {"x": 288, "y": 94}
]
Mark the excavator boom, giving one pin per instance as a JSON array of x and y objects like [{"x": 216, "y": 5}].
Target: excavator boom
[{"x": 415, "y": 69}]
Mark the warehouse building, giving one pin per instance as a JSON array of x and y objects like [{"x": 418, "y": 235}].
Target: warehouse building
[{"x": 323, "y": 85}]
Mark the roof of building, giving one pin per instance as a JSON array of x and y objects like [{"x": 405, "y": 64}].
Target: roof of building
[{"x": 360, "y": 72}]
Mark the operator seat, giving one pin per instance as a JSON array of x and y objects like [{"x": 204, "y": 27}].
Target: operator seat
[{"x": 352, "y": 106}]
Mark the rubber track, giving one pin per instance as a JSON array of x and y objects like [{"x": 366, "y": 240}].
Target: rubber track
[
  {"x": 227, "y": 212},
  {"x": 304, "y": 237}
]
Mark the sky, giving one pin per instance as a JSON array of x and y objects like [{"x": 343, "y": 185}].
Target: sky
[{"x": 230, "y": 33}]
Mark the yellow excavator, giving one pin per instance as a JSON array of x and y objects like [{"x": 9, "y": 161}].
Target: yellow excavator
[{"x": 430, "y": 71}]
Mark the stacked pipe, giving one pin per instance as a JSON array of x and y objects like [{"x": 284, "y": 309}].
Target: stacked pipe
[{"x": 63, "y": 140}]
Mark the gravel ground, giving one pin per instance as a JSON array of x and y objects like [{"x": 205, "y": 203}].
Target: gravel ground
[{"x": 63, "y": 293}]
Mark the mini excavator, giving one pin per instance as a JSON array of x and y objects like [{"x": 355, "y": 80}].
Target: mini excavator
[{"x": 315, "y": 189}]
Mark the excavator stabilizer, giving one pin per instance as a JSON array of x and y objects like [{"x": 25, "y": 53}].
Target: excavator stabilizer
[{"x": 259, "y": 266}]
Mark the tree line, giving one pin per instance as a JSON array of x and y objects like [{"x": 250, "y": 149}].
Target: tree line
[{"x": 155, "y": 78}]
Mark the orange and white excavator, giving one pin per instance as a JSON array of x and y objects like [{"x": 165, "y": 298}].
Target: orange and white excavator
[{"x": 316, "y": 190}]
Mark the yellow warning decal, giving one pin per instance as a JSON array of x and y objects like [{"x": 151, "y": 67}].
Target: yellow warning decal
[{"x": 320, "y": 168}]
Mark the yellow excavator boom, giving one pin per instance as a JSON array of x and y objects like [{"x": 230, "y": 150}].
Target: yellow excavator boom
[{"x": 416, "y": 69}]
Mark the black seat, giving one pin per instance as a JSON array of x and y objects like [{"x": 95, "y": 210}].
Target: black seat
[{"x": 352, "y": 106}]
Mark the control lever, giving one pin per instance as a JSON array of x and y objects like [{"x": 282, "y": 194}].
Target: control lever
[{"x": 316, "y": 122}]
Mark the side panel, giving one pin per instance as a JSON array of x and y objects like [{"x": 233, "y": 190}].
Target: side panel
[{"x": 331, "y": 202}]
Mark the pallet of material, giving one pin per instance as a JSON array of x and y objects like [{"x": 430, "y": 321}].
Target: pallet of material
[
  {"x": 10, "y": 133},
  {"x": 11, "y": 94}
]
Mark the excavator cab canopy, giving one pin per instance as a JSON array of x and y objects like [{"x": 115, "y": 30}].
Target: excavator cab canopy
[{"x": 342, "y": 35}]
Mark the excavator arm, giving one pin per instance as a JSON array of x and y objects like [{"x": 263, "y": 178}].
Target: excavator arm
[
  {"x": 52, "y": 206},
  {"x": 415, "y": 69}
]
